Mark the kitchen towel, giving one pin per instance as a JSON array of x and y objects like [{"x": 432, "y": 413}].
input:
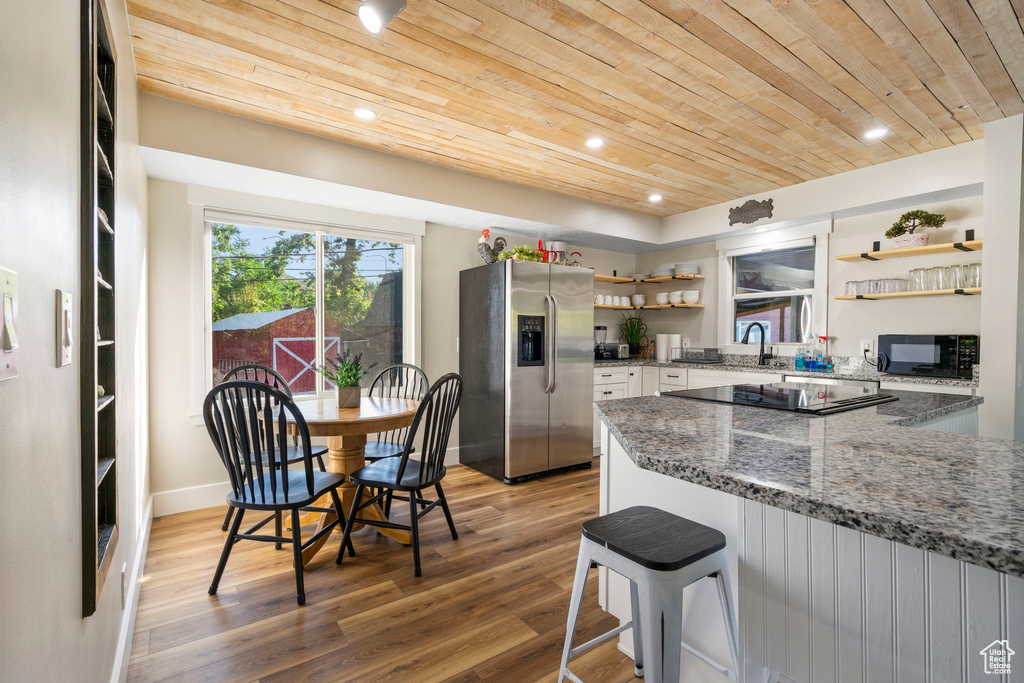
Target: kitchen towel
[{"x": 661, "y": 345}]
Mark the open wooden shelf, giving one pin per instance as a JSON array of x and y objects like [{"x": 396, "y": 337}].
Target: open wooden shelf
[
  {"x": 104, "y": 223},
  {"x": 103, "y": 401},
  {"x": 968, "y": 291},
  {"x": 950, "y": 248},
  {"x": 102, "y": 106},
  {"x": 648, "y": 307},
  {"x": 106, "y": 174},
  {"x": 616, "y": 280},
  {"x": 104, "y": 284}
]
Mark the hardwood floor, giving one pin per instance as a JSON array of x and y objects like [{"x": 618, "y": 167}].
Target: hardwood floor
[{"x": 490, "y": 606}]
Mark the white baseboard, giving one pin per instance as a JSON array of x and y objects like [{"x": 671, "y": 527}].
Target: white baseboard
[
  {"x": 451, "y": 456},
  {"x": 190, "y": 498},
  {"x": 119, "y": 673}
]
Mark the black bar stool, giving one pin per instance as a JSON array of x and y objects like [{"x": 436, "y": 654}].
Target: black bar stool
[{"x": 661, "y": 554}]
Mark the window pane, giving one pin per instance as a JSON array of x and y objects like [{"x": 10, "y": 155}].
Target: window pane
[
  {"x": 775, "y": 271},
  {"x": 363, "y": 301},
  {"x": 786, "y": 319},
  {"x": 264, "y": 299}
]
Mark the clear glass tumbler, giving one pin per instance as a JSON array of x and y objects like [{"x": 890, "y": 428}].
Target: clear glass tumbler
[
  {"x": 851, "y": 287},
  {"x": 972, "y": 275},
  {"x": 954, "y": 277},
  {"x": 916, "y": 280},
  {"x": 932, "y": 279}
]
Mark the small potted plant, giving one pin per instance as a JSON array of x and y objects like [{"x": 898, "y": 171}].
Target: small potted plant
[
  {"x": 521, "y": 252},
  {"x": 346, "y": 372},
  {"x": 634, "y": 331},
  {"x": 902, "y": 231}
]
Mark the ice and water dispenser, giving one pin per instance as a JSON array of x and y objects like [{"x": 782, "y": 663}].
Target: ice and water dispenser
[{"x": 531, "y": 340}]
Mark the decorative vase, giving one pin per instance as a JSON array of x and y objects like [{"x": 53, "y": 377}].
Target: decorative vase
[
  {"x": 911, "y": 239},
  {"x": 348, "y": 397},
  {"x": 634, "y": 350}
]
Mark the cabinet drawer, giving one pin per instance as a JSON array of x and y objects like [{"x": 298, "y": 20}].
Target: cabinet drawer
[
  {"x": 609, "y": 392},
  {"x": 672, "y": 377},
  {"x": 699, "y": 379},
  {"x": 610, "y": 375}
]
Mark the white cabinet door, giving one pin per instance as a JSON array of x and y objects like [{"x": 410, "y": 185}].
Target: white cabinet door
[
  {"x": 634, "y": 382},
  {"x": 698, "y": 379},
  {"x": 651, "y": 380},
  {"x": 607, "y": 392},
  {"x": 670, "y": 379}
]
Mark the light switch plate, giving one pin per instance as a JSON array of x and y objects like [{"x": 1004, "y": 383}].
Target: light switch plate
[
  {"x": 65, "y": 329},
  {"x": 8, "y": 324}
]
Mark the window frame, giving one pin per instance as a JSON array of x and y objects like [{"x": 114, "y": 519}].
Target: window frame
[
  {"x": 728, "y": 250},
  {"x": 214, "y": 205}
]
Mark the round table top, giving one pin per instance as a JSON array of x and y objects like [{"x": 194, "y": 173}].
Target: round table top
[{"x": 324, "y": 418}]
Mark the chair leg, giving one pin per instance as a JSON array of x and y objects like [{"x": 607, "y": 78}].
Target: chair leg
[
  {"x": 320, "y": 461},
  {"x": 387, "y": 503},
  {"x": 722, "y": 580},
  {"x": 346, "y": 538},
  {"x": 297, "y": 553},
  {"x": 227, "y": 519},
  {"x": 340, "y": 509},
  {"x": 638, "y": 640},
  {"x": 447, "y": 512},
  {"x": 578, "y": 586},
  {"x": 419, "y": 494},
  {"x": 415, "y": 524},
  {"x": 228, "y": 544},
  {"x": 278, "y": 528}
]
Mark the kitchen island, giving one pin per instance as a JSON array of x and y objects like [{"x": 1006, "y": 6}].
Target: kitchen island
[{"x": 863, "y": 546}]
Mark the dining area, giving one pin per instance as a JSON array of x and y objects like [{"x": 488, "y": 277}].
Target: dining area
[{"x": 263, "y": 436}]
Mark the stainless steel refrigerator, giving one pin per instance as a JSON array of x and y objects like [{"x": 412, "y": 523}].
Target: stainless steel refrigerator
[{"x": 526, "y": 358}]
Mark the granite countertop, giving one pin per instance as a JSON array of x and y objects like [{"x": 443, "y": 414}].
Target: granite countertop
[
  {"x": 844, "y": 371},
  {"x": 865, "y": 469}
]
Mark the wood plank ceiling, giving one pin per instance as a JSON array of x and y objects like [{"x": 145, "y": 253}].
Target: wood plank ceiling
[{"x": 702, "y": 101}]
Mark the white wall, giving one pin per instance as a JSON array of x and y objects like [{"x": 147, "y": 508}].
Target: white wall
[
  {"x": 43, "y": 636},
  {"x": 699, "y": 325}
]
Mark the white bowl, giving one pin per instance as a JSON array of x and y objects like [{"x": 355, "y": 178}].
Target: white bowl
[
  {"x": 640, "y": 276},
  {"x": 677, "y": 292},
  {"x": 673, "y": 299},
  {"x": 661, "y": 297},
  {"x": 691, "y": 297},
  {"x": 639, "y": 299}
]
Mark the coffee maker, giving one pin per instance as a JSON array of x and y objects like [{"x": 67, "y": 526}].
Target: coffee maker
[{"x": 600, "y": 338}]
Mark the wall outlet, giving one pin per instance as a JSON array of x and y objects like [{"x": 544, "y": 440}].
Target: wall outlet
[
  {"x": 867, "y": 345},
  {"x": 686, "y": 343}
]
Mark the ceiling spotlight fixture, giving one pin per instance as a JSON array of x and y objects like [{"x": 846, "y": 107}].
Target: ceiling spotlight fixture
[
  {"x": 964, "y": 106},
  {"x": 364, "y": 113},
  {"x": 376, "y": 14},
  {"x": 655, "y": 198},
  {"x": 594, "y": 143},
  {"x": 875, "y": 133}
]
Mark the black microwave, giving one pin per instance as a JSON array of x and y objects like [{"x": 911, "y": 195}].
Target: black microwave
[{"x": 928, "y": 355}]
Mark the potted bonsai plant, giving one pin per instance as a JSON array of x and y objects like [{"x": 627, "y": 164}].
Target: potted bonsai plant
[
  {"x": 902, "y": 231},
  {"x": 346, "y": 371},
  {"x": 634, "y": 331}
]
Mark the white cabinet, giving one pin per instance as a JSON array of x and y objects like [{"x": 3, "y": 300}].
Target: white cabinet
[
  {"x": 934, "y": 388},
  {"x": 670, "y": 379},
  {"x": 610, "y": 375},
  {"x": 635, "y": 382},
  {"x": 652, "y": 380},
  {"x": 699, "y": 379},
  {"x": 613, "y": 383}
]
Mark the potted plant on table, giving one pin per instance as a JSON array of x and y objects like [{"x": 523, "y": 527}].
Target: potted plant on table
[
  {"x": 634, "y": 331},
  {"x": 346, "y": 371},
  {"x": 902, "y": 231}
]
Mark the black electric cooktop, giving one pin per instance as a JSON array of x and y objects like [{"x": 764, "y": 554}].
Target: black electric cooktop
[{"x": 798, "y": 397}]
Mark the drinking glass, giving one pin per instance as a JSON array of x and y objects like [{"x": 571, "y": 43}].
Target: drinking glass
[
  {"x": 972, "y": 275},
  {"x": 851, "y": 287},
  {"x": 932, "y": 278},
  {"x": 874, "y": 286},
  {"x": 954, "y": 277},
  {"x": 916, "y": 280},
  {"x": 899, "y": 284}
]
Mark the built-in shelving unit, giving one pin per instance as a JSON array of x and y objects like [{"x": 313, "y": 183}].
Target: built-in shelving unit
[
  {"x": 648, "y": 307},
  {"x": 98, "y": 289},
  {"x": 616, "y": 280},
  {"x": 968, "y": 291},
  {"x": 927, "y": 250}
]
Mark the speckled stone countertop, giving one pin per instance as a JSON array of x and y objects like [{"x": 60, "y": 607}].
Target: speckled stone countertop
[
  {"x": 847, "y": 369},
  {"x": 865, "y": 469}
]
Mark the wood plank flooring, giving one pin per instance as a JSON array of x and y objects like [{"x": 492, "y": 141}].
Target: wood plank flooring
[{"x": 490, "y": 606}]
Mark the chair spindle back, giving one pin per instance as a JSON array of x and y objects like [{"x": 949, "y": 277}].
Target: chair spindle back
[
  {"x": 434, "y": 417},
  {"x": 401, "y": 380}
]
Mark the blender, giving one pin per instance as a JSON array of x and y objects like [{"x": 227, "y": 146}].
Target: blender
[{"x": 600, "y": 337}]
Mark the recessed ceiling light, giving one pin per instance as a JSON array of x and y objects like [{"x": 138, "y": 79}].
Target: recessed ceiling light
[
  {"x": 364, "y": 113},
  {"x": 876, "y": 133},
  {"x": 594, "y": 143},
  {"x": 764, "y": 229},
  {"x": 964, "y": 106},
  {"x": 375, "y": 14},
  {"x": 655, "y": 198}
]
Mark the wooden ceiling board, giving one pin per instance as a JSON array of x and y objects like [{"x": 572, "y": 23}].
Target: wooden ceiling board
[{"x": 702, "y": 101}]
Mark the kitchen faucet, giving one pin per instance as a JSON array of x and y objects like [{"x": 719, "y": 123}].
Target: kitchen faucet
[{"x": 761, "y": 356}]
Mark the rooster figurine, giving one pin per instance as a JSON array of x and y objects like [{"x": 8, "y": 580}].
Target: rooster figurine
[{"x": 488, "y": 253}]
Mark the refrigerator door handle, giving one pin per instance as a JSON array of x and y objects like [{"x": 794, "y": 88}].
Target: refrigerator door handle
[
  {"x": 551, "y": 344},
  {"x": 554, "y": 345}
]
